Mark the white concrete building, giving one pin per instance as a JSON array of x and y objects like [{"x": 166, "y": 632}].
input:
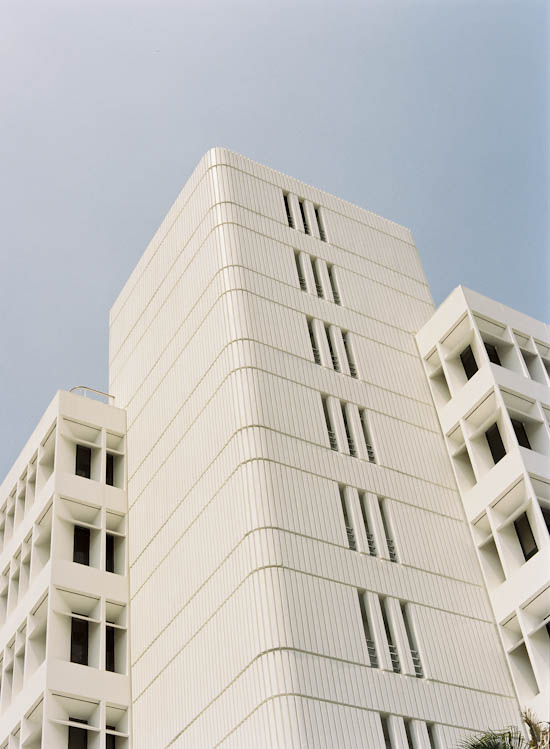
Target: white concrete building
[
  {"x": 488, "y": 367},
  {"x": 64, "y": 661},
  {"x": 301, "y": 570}
]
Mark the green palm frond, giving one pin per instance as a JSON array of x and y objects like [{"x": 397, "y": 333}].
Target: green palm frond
[{"x": 510, "y": 738}]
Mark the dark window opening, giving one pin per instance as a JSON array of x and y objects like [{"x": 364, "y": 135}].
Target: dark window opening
[
  {"x": 469, "y": 362},
  {"x": 492, "y": 353},
  {"x": 79, "y": 641},
  {"x": 81, "y": 546},
  {"x": 330, "y": 430},
  {"x": 288, "y": 213},
  {"x": 109, "y": 552},
  {"x": 409, "y": 734},
  {"x": 301, "y": 277},
  {"x": 349, "y": 437},
  {"x": 315, "y": 350},
  {"x": 494, "y": 440},
  {"x": 78, "y": 737},
  {"x": 349, "y": 355},
  {"x": 521, "y": 434},
  {"x": 525, "y": 536},
  {"x": 386, "y": 732},
  {"x": 109, "y": 648},
  {"x": 431, "y": 735},
  {"x": 110, "y": 470},
  {"x": 333, "y": 286},
  {"x": 83, "y": 461},
  {"x": 396, "y": 666},
  {"x": 333, "y": 357},
  {"x": 110, "y": 740},
  {"x": 320, "y": 225},
  {"x": 546, "y": 515},
  {"x": 349, "y": 527},
  {"x": 304, "y": 219},
  {"x": 371, "y": 646},
  {"x": 318, "y": 284}
]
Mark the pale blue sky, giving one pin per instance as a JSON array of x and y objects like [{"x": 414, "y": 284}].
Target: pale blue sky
[{"x": 431, "y": 113}]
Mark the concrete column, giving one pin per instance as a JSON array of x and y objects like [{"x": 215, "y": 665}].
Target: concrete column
[
  {"x": 419, "y": 734},
  {"x": 337, "y": 421},
  {"x": 295, "y": 212},
  {"x": 337, "y": 341},
  {"x": 321, "y": 341},
  {"x": 324, "y": 280},
  {"x": 375, "y": 522},
  {"x": 397, "y": 731},
  {"x": 309, "y": 210},
  {"x": 378, "y": 633},
  {"x": 305, "y": 264},
  {"x": 353, "y": 507},
  {"x": 399, "y": 634}
]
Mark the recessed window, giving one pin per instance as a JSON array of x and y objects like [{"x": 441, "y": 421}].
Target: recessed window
[
  {"x": 110, "y": 470},
  {"x": 288, "y": 212},
  {"x": 492, "y": 353},
  {"x": 304, "y": 217},
  {"x": 79, "y": 641},
  {"x": 525, "y": 536},
  {"x": 521, "y": 434},
  {"x": 81, "y": 545},
  {"x": 110, "y": 552},
  {"x": 78, "y": 737},
  {"x": 496, "y": 445},
  {"x": 83, "y": 461},
  {"x": 320, "y": 224},
  {"x": 110, "y": 740},
  {"x": 469, "y": 362},
  {"x": 546, "y": 515},
  {"x": 109, "y": 648}
]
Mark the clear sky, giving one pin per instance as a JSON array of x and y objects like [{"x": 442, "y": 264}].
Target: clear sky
[{"x": 431, "y": 113}]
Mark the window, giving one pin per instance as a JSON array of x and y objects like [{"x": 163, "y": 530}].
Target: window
[
  {"x": 525, "y": 536},
  {"x": 546, "y": 515},
  {"x": 301, "y": 277},
  {"x": 330, "y": 430},
  {"x": 304, "y": 218},
  {"x": 370, "y": 536},
  {"x": 389, "y": 540},
  {"x": 79, "y": 641},
  {"x": 109, "y": 648},
  {"x": 318, "y": 285},
  {"x": 494, "y": 440},
  {"x": 83, "y": 461},
  {"x": 288, "y": 212},
  {"x": 320, "y": 224},
  {"x": 492, "y": 353},
  {"x": 110, "y": 470},
  {"x": 78, "y": 737},
  {"x": 408, "y": 733},
  {"x": 349, "y": 355},
  {"x": 468, "y": 362},
  {"x": 110, "y": 552},
  {"x": 349, "y": 527},
  {"x": 386, "y": 731},
  {"x": 110, "y": 740},
  {"x": 396, "y": 666},
  {"x": 333, "y": 285},
  {"x": 314, "y": 347},
  {"x": 521, "y": 434},
  {"x": 351, "y": 443},
  {"x": 431, "y": 735},
  {"x": 334, "y": 358},
  {"x": 371, "y": 646},
  {"x": 81, "y": 545},
  {"x": 366, "y": 433},
  {"x": 415, "y": 655}
]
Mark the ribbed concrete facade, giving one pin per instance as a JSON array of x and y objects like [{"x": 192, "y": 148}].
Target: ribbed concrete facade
[
  {"x": 64, "y": 662},
  {"x": 489, "y": 370},
  {"x": 301, "y": 570}
]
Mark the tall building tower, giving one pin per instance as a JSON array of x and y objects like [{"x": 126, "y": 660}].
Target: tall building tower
[
  {"x": 64, "y": 665},
  {"x": 489, "y": 371},
  {"x": 301, "y": 570}
]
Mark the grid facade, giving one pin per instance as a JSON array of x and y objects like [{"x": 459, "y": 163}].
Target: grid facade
[
  {"x": 301, "y": 571},
  {"x": 64, "y": 650},
  {"x": 488, "y": 367}
]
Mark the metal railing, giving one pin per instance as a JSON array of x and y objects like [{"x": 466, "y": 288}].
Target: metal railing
[
  {"x": 418, "y": 671},
  {"x": 86, "y": 389},
  {"x": 391, "y": 549},
  {"x": 370, "y": 453},
  {"x": 372, "y": 544},
  {"x": 351, "y": 538},
  {"x": 394, "y": 659},
  {"x": 332, "y": 439},
  {"x": 371, "y": 647}
]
